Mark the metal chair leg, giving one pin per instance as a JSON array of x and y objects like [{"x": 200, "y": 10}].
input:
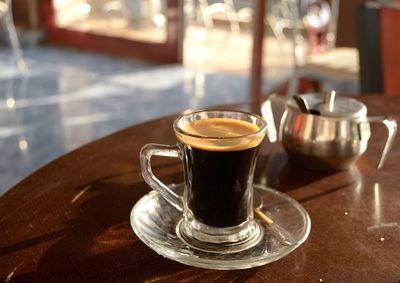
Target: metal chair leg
[{"x": 15, "y": 45}]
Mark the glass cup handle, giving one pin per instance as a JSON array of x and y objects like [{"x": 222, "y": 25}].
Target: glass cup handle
[{"x": 146, "y": 153}]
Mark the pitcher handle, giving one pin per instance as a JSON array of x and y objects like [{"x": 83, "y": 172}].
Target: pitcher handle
[
  {"x": 146, "y": 153},
  {"x": 268, "y": 114},
  {"x": 391, "y": 125}
]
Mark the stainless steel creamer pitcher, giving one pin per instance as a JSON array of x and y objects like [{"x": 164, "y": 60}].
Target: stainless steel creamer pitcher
[{"x": 332, "y": 134}]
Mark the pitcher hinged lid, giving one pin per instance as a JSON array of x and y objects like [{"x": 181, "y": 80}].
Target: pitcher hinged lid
[{"x": 331, "y": 105}]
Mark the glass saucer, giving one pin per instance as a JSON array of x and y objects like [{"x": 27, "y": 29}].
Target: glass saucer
[{"x": 154, "y": 221}]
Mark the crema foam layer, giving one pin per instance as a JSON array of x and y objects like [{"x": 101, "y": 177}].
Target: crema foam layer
[{"x": 221, "y": 134}]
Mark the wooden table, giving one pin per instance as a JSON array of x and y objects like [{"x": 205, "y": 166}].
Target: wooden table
[{"x": 69, "y": 221}]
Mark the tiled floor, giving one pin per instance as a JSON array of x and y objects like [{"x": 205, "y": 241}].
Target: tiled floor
[{"x": 69, "y": 98}]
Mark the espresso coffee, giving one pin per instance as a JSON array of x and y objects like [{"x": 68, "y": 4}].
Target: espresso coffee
[
  {"x": 218, "y": 149},
  {"x": 220, "y": 154}
]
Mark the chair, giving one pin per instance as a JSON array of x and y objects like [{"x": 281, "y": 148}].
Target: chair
[
  {"x": 209, "y": 10},
  {"x": 137, "y": 10},
  {"x": 8, "y": 22},
  {"x": 282, "y": 16},
  {"x": 323, "y": 64},
  {"x": 330, "y": 67},
  {"x": 334, "y": 68},
  {"x": 378, "y": 39}
]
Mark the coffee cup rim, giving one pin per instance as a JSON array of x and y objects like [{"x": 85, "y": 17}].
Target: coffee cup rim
[{"x": 262, "y": 128}]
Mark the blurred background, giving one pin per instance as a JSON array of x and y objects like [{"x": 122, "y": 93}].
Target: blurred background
[{"x": 72, "y": 71}]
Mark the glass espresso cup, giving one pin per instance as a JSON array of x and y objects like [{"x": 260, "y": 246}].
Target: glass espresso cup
[{"x": 218, "y": 150}]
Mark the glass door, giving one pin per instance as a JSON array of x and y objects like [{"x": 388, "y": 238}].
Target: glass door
[{"x": 146, "y": 29}]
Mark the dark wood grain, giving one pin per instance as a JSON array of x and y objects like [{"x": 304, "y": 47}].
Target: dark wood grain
[{"x": 69, "y": 221}]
